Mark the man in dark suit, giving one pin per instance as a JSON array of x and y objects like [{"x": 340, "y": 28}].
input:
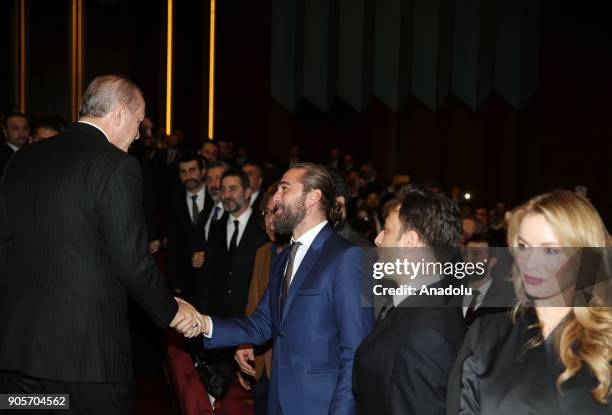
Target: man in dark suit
[
  {"x": 312, "y": 306},
  {"x": 16, "y": 132},
  {"x": 402, "y": 367},
  {"x": 492, "y": 292},
  {"x": 232, "y": 244},
  {"x": 72, "y": 247},
  {"x": 186, "y": 218}
]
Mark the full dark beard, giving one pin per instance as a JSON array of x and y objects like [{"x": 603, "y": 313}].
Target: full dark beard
[{"x": 290, "y": 218}]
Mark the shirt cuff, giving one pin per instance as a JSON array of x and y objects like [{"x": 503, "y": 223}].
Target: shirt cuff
[{"x": 210, "y": 330}]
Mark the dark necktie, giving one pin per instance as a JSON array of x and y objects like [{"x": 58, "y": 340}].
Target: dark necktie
[
  {"x": 215, "y": 212},
  {"x": 234, "y": 240},
  {"x": 194, "y": 209},
  {"x": 470, "y": 315},
  {"x": 288, "y": 272}
]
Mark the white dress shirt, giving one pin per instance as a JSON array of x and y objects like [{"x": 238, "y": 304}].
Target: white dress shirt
[
  {"x": 467, "y": 299},
  {"x": 96, "y": 126},
  {"x": 201, "y": 195},
  {"x": 13, "y": 146},
  {"x": 242, "y": 222},
  {"x": 306, "y": 240},
  {"x": 253, "y": 197}
]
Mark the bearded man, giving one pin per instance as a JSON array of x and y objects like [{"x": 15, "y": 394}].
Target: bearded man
[{"x": 312, "y": 306}]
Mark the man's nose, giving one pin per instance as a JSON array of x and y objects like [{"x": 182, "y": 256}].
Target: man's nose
[
  {"x": 277, "y": 197},
  {"x": 378, "y": 240}
]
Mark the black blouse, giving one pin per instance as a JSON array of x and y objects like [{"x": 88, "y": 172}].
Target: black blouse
[{"x": 496, "y": 374}]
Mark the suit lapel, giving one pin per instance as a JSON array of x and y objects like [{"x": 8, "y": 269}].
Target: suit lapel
[
  {"x": 305, "y": 267},
  {"x": 208, "y": 206}
]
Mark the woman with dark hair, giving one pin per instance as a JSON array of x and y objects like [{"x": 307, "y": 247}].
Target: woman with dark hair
[{"x": 552, "y": 356}]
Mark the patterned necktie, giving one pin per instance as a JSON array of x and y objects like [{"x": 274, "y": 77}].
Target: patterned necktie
[
  {"x": 194, "y": 209},
  {"x": 288, "y": 272}
]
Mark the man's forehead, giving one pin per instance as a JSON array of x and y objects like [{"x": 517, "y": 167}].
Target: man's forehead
[
  {"x": 292, "y": 176},
  {"x": 231, "y": 180},
  {"x": 188, "y": 164},
  {"x": 17, "y": 120},
  {"x": 213, "y": 171}
]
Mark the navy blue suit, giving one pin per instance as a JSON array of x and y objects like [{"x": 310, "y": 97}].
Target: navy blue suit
[{"x": 315, "y": 339}]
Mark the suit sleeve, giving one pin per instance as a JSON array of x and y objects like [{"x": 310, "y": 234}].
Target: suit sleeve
[
  {"x": 354, "y": 323},
  {"x": 125, "y": 234},
  {"x": 172, "y": 250},
  {"x": 463, "y": 385},
  {"x": 420, "y": 376},
  {"x": 254, "y": 329}
]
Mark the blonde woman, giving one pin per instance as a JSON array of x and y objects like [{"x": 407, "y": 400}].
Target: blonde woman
[{"x": 550, "y": 356}]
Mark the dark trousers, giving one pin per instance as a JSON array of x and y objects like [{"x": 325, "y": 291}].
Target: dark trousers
[
  {"x": 260, "y": 395},
  {"x": 85, "y": 398}
]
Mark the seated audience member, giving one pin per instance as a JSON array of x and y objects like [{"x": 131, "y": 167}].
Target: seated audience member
[
  {"x": 16, "y": 130},
  {"x": 471, "y": 225},
  {"x": 342, "y": 227},
  {"x": 402, "y": 367},
  {"x": 47, "y": 127},
  {"x": 210, "y": 151},
  {"x": 548, "y": 358},
  {"x": 261, "y": 355}
]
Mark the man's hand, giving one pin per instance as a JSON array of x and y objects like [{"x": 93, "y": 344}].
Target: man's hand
[
  {"x": 197, "y": 260},
  {"x": 243, "y": 356},
  {"x": 187, "y": 320}
]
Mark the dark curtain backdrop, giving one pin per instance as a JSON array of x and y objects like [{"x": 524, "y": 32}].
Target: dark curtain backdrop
[{"x": 496, "y": 147}]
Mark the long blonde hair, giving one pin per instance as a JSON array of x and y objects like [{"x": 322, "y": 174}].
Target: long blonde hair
[{"x": 586, "y": 334}]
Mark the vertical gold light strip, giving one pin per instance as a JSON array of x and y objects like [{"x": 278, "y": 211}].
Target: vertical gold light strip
[
  {"x": 169, "y": 72},
  {"x": 211, "y": 73},
  {"x": 80, "y": 54},
  {"x": 77, "y": 57},
  {"x": 22, "y": 59},
  {"x": 73, "y": 71}
]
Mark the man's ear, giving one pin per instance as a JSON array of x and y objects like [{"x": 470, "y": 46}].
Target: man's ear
[
  {"x": 247, "y": 193},
  {"x": 410, "y": 239},
  {"x": 313, "y": 197}
]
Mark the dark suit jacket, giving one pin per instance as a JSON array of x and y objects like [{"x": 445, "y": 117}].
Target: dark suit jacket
[
  {"x": 402, "y": 367},
  {"x": 496, "y": 373},
  {"x": 184, "y": 238},
  {"x": 230, "y": 276},
  {"x": 316, "y": 335},
  {"x": 72, "y": 247},
  {"x": 5, "y": 155}
]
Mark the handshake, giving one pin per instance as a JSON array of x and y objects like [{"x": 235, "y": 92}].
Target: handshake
[{"x": 188, "y": 321}]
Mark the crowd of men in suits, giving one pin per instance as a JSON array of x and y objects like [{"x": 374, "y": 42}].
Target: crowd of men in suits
[{"x": 206, "y": 212}]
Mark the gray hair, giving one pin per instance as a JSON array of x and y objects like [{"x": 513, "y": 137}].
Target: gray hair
[{"x": 107, "y": 91}]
